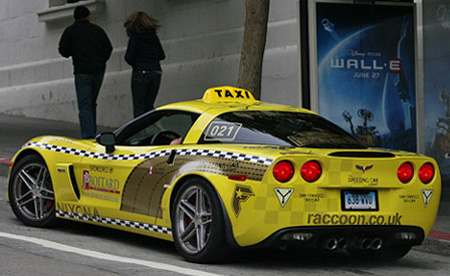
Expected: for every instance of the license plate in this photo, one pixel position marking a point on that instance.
(359, 201)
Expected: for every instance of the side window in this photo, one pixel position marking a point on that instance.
(157, 128)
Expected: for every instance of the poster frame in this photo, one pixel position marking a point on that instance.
(419, 73)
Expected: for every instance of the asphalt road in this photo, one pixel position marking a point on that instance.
(79, 249)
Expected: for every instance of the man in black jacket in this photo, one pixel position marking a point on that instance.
(90, 48)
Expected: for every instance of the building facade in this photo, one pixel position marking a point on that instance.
(203, 39)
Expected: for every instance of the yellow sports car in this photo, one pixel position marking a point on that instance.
(227, 172)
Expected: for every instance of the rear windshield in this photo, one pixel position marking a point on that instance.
(287, 129)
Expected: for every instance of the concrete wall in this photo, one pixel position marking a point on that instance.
(202, 40)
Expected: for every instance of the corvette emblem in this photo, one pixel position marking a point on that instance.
(364, 168)
(283, 195)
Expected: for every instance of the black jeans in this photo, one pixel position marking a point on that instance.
(144, 86)
(87, 87)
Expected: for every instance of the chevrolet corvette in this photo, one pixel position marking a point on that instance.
(227, 172)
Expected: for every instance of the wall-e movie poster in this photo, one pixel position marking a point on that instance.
(437, 83)
(366, 72)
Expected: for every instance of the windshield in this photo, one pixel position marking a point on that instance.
(287, 129)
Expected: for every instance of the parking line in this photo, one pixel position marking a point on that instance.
(104, 256)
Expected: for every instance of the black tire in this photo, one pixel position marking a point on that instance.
(384, 254)
(198, 223)
(31, 194)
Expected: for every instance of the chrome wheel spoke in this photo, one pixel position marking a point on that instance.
(206, 219)
(48, 198)
(49, 192)
(23, 196)
(201, 237)
(41, 207)
(41, 183)
(21, 204)
(39, 177)
(36, 210)
(27, 179)
(187, 208)
(189, 232)
(199, 201)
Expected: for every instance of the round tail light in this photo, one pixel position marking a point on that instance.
(283, 171)
(405, 172)
(311, 171)
(426, 173)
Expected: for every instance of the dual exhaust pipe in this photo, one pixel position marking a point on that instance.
(364, 243)
(369, 243)
(334, 243)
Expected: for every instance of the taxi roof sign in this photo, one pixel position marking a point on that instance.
(228, 94)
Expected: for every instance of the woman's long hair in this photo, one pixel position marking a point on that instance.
(140, 22)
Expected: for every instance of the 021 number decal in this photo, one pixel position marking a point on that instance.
(222, 131)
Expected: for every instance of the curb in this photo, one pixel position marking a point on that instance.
(439, 235)
(4, 160)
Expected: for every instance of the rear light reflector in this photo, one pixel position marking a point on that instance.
(283, 171)
(426, 173)
(238, 177)
(311, 171)
(405, 172)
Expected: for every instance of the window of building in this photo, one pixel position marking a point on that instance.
(63, 9)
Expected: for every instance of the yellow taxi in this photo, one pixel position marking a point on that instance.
(226, 172)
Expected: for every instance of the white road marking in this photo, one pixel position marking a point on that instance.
(104, 256)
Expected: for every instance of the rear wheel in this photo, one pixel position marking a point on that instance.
(384, 254)
(198, 223)
(31, 194)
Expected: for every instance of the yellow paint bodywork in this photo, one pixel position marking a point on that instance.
(261, 213)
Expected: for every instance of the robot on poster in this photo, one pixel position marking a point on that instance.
(366, 72)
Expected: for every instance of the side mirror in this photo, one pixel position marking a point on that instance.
(107, 139)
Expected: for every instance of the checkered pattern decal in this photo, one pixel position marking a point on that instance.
(97, 155)
(151, 155)
(226, 155)
(119, 222)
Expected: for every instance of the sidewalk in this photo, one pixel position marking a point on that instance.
(15, 131)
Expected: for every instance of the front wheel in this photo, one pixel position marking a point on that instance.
(31, 194)
(198, 223)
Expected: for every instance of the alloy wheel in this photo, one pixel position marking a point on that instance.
(33, 192)
(193, 218)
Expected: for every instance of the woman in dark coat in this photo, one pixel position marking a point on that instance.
(144, 53)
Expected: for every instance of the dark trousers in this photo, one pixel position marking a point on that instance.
(88, 87)
(144, 87)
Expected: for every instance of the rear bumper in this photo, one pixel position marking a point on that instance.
(341, 237)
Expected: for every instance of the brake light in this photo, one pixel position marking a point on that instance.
(311, 171)
(426, 173)
(405, 172)
(283, 171)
